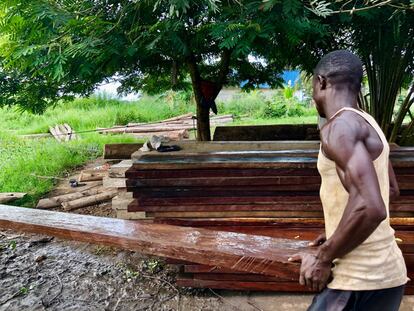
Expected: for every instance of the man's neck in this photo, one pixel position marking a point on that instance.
(338, 99)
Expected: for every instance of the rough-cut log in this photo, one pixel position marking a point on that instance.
(241, 252)
(6, 197)
(93, 175)
(172, 135)
(58, 200)
(120, 151)
(90, 200)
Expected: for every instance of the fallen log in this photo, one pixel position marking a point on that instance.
(93, 175)
(58, 200)
(89, 200)
(237, 251)
(172, 135)
(6, 197)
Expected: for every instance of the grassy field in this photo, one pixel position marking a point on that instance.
(22, 161)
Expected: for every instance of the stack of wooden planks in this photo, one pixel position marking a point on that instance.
(176, 128)
(262, 188)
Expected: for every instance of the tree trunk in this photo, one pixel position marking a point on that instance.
(203, 121)
(203, 117)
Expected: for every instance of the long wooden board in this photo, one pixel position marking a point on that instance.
(120, 151)
(241, 252)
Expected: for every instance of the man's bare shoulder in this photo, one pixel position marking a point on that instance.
(342, 133)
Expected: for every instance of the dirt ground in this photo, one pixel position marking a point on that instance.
(42, 273)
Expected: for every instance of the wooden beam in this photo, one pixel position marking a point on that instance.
(6, 197)
(241, 252)
(120, 151)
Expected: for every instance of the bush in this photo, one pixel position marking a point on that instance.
(275, 110)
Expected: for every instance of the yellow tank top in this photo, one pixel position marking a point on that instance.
(377, 263)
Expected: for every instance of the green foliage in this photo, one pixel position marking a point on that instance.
(57, 49)
(260, 106)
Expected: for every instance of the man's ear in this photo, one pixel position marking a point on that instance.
(322, 82)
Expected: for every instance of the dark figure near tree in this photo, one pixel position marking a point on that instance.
(357, 264)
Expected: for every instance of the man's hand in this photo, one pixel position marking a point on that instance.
(313, 272)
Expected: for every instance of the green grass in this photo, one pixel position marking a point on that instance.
(23, 160)
(284, 120)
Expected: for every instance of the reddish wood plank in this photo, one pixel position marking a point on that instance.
(296, 197)
(193, 268)
(208, 214)
(135, 206)
(208, 173)
(259, 191)
(240, 277)
(249, 253)
(225, 181)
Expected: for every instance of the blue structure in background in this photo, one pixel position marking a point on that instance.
(288, 75)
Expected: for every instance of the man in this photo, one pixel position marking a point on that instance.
(359, 260)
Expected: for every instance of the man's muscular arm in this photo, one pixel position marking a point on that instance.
(365, 209)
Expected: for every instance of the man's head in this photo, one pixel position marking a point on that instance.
(340, 70)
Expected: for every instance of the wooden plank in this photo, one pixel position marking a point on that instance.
(118, 170)
(260, 191)
(120, 151)
(121, 201)
(134, 173)
(135, 206)
(241, 252)
(253, 161)
(111, 182)
(124, 214)
(6, 197)
(274, 199)
(207, 214)
(266, 132)
(240, 277)
(226, 181)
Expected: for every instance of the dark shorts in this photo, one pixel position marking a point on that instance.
(371, 300)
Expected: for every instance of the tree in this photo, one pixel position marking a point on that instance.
(381, 33)
(150, 45)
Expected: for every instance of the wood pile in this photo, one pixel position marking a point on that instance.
(176, 128)
(268, 189)
(62, 132)
(116, 180)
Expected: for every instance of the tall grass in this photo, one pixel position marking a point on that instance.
(23, 161)
(94, 112)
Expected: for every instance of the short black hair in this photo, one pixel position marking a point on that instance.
(341, 67)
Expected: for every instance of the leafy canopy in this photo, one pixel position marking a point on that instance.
(52, 49)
